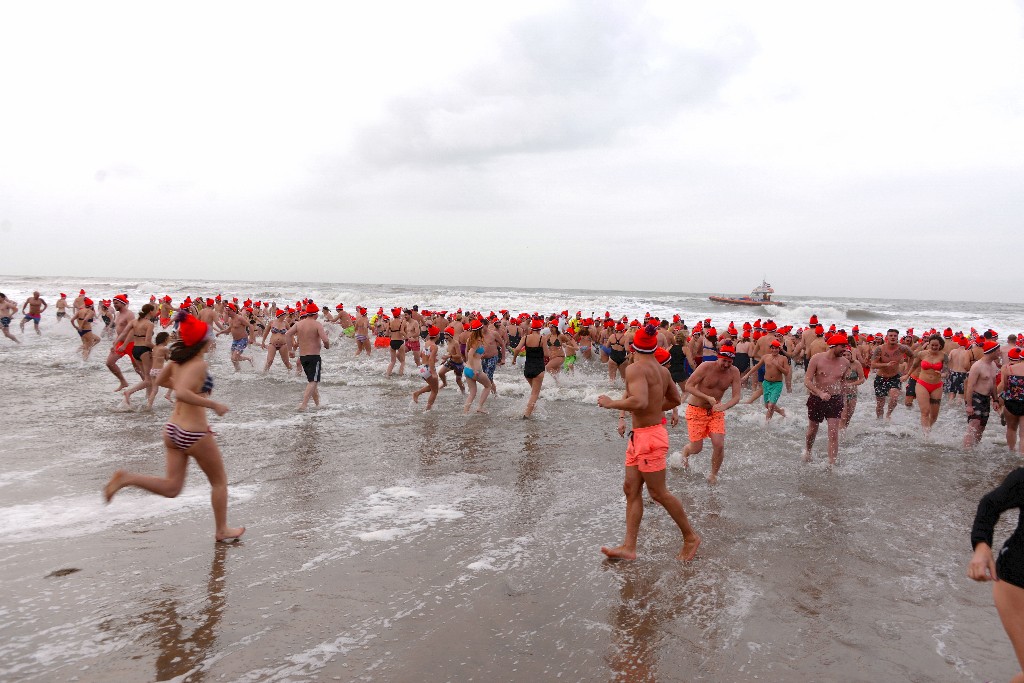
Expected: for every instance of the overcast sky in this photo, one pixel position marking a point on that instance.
(840, 149)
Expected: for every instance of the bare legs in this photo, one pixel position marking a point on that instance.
(535, 386)
(717, 454)
(633, 488)
(480, 377)
(1009, 601)
(312, 392)
(207, 456)
(894, 396)
(1012, 431)
(833, 439)
(431, 386)
(112, 359)
(929, 403)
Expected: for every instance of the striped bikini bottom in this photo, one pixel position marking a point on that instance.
(181, 438)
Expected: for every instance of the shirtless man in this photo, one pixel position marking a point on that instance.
(825, 394)
(959, 366)
(776, 368)
(7, 309)
(885, 361)
(979, 392)
(36, 306)
(650, 391)
(122, 318)
(493, 341)
(310, 334)
(760, 351)
(705, 413)
(806, 337)
(238, 327)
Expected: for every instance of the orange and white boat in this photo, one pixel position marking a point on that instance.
(759, 296)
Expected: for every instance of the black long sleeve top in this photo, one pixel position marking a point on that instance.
(1008, 495)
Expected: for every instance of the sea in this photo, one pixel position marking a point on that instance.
(385, 543)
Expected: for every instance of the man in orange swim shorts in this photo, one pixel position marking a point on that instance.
(705, 414)
(650, 391)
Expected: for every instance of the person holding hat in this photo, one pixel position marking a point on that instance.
(980, 390)
(308, 334)
(650, 391)
(187, 432)
(705, 412)
(824, 380)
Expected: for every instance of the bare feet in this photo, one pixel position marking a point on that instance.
(712, 479)
(621, 553)
(481, 410)
(415, 397)
(231, 535)
(121, 387)
(127, 399)
(114, 485)
(807, 456)
(689, 549)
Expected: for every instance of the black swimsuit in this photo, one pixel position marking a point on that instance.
(534, 362)
(1008, 495)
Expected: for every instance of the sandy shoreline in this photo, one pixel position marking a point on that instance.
(384, 544)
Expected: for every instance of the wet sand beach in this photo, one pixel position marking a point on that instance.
(388, 544)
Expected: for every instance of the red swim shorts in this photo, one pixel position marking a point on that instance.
(702, 422)
(647, 449)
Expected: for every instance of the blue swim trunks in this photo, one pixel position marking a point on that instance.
(240, 344)
(488, 365)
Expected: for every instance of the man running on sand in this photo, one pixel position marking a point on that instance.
(705, 414)
(650, 391)
(980, 391)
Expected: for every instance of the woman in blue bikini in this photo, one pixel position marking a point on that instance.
(473, 370)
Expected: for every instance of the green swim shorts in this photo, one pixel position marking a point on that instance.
(772, 391)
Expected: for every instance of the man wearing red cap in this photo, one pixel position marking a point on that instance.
(959, 365)
(310, 334)
(238, 327)
(885, 361)
(122, 318)
(650, 391)
(825, 394)
(705, 413)
(980, 390)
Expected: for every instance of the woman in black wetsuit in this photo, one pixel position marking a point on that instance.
(533, 367)
(1008, 571)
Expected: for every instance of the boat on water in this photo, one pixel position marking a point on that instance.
(759, 296)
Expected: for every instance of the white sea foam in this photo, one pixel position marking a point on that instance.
(72, 516)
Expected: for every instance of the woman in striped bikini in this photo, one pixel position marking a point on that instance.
(188, 433)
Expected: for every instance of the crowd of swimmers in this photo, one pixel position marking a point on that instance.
(663, 364)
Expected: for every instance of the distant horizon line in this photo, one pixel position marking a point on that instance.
(463, 286)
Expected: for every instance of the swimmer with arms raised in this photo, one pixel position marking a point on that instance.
(650, 391)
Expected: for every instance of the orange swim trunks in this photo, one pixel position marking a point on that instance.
(647, 449)
(702, 422)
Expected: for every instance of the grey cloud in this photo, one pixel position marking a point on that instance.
(562, 81)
